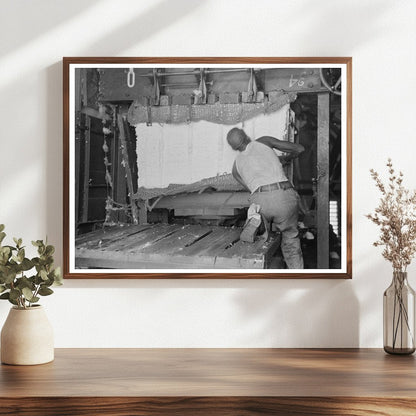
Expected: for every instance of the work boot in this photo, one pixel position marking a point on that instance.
(250, 229)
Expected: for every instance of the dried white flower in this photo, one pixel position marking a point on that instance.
(396, 217)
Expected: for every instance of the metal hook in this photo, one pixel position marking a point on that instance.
(131, 78)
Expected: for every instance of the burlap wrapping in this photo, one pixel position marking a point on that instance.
(224, 183)
(216, 113)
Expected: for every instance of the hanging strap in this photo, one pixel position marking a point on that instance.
(156, 88)
(203, 88)
(252, 87)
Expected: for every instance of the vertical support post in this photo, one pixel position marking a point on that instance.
(82, 147)
(142, 212)
(126, 164)
(77, 177)
(86, 183)
(117, 173)
(323, 182)
(291, 139)
(77, 143)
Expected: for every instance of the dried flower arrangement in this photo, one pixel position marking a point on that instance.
(396, 217)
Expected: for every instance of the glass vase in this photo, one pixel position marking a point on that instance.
(399, 316)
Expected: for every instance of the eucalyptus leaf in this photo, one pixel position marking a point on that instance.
(9, 277)
(48, 259)
(24, 282)
(49, 250)
(14, 267)
(56, 273)
(27, 293)
(45, 291)
(58, 276)
(11, 248)
(38, 280)
(5, 250)
(26, 264)
(48, 282)
(15, 294)
(13, 301)
(15, 285)
(43, 275)
(21, 255)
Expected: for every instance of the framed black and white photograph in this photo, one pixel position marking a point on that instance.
(207, 167)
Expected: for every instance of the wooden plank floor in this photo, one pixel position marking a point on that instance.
(167, 246)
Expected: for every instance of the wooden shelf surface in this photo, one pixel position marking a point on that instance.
(222, 381)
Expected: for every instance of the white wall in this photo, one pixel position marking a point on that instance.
(380, 35)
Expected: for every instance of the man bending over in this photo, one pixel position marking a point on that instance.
(258, 168)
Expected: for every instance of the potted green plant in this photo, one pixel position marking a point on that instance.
(27, 336)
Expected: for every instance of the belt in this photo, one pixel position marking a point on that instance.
(274, 187)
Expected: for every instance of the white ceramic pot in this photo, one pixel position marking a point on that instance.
(27, 337)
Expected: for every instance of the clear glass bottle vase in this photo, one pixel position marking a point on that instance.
(399, 316)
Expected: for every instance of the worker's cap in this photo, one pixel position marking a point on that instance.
(236, 137)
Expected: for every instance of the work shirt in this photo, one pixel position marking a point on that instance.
(259, 165)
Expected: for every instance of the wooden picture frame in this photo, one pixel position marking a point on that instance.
(103, 97)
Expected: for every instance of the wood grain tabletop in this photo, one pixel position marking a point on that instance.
(203, 379)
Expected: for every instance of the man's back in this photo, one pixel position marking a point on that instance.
(259, 165)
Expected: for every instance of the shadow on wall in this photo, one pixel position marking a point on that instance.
(300, 313)
(45, 15)
(157, 18)
(286, 313)
(349, 25)
(54, 146)
(133, 32)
